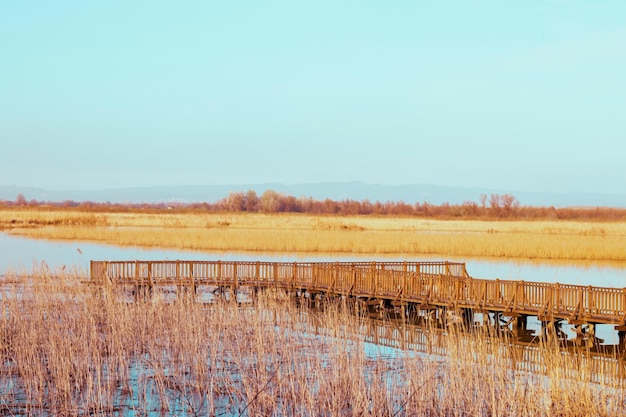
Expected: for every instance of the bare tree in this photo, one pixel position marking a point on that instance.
(252, 201)
(509, 204)
(483, 202)
(21, 200)
(236, 201)
(270, 201)
(494, 203)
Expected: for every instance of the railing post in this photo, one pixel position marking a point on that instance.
(418, 287)
(192, 278)
(498, 294)
(485, 290)
(404, 285)
(376, 281)
(550, 304)
(353, 280)
(150, 273)
(622, 308)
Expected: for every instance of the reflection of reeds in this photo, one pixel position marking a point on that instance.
(69, 349)
(565, 240)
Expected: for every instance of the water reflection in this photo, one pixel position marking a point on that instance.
(577, 273)
(20, 254)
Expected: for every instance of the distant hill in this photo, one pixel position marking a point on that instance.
(359, 191)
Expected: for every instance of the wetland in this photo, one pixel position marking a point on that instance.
(67, 350)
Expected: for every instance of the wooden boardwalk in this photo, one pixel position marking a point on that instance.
(428, 291)
(425, 285)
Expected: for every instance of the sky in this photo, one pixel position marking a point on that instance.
(522, 95)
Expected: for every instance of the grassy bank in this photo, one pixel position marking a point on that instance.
(67, 350)
(554, 240)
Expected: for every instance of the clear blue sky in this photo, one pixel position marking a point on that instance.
(523, 95)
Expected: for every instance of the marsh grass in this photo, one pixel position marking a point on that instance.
(33, 218)
(70, 349)
(555, 240)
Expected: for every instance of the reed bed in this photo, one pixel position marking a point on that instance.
(70, 349)
(554, 240)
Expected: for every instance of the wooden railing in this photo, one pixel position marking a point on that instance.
(125, 270)
(424, 283)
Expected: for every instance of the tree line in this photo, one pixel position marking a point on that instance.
(488, 206)
(493, 206)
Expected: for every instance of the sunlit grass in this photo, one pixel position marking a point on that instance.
(556, 240)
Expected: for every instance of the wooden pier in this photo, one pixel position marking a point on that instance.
(441, 291)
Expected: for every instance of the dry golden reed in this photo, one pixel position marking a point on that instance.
(555, 240)
(70, 349)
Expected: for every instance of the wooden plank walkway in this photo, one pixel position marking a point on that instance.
(427, 285)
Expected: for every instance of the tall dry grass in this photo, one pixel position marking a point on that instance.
(69, 349)
(555, 240)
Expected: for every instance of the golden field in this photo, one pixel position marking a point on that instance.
(305, 233)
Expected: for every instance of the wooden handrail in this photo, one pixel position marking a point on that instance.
(435, 283)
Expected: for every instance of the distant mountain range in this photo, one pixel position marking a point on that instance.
(359, 191)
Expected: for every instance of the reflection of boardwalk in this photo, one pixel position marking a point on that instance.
(439, 291)
(599, 367)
